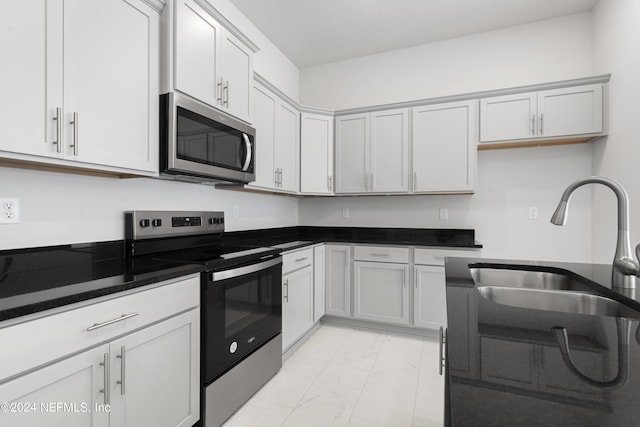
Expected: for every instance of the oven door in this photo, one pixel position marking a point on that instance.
(243, 310)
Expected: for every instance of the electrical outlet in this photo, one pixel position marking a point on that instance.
(9, 211)
(444, 214)
(236, 212)
(345, 213)
(533, 212)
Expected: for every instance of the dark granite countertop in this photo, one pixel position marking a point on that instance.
(505, 367)
(37, 279)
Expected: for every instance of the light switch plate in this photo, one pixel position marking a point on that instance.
(444, 214)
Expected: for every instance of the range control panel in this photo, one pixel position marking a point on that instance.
(152, 224)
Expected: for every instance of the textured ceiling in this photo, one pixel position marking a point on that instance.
(313, 32)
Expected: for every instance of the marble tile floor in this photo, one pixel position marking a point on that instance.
(351, 377)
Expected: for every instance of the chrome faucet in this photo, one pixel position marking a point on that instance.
(625, 265)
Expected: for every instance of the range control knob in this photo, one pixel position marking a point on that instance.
(216, 220)
(233, 347)
(144, 223)
(156, 222)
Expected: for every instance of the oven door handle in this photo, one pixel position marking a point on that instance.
(253, 268)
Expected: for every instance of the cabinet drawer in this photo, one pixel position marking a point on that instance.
(296, 260)
(437, 256)
(381, 254)
(43, 340)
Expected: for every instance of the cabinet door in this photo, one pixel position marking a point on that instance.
(570, 111)
(352, 150)
(380, 292)
(338, 280)
(111, 78)
(264, 120)
(155, 374)
(31, 48)
(198, 42)
(462, 331)
(444, 148)
(237, 63)
(287, 144)
(389, 152)
(65, 394)
(430, 302)
(318, 282)
(508, 117)
(509, 363)
(316, 155)
(297, 305)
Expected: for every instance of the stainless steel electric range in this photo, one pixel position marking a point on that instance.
(241, 302)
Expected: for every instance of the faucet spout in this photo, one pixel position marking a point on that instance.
(625, 266)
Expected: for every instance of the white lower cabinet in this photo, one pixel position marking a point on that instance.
(129, 376)
(380, 292)
(318, 282)
(338, 280)
(297, 305)
(430, 308)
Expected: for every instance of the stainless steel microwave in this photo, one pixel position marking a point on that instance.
(199, 143)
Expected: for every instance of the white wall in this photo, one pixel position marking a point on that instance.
(616, 34)
(509, 181)
(544, 51)
(61, 208)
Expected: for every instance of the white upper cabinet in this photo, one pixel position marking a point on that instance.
(82, 89)
(564, 112)
(316, 154)
(372, 152)
(444, 147)
(211, 63)
(277, 126)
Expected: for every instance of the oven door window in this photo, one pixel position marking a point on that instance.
(241, 313)
(206, 141)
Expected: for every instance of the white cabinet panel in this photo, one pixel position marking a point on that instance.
(77, 381)
(238, 71)
(287, 144)
(444, 147)
(554, 113)
(297, 305)
(197, 45)
(352, 151)
(570, 111)
(389, 152)
(508, 117)
(316, 154)
(318, 282)
(96, 82)
(32, 72)
(430, 299)
(338, 280)
(265, 119)
(160, 368)
(381, 292)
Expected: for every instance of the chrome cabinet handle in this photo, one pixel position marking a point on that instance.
(75, 133)
(415, 277)
(329, 182)
(404, 279)
(247, 144)
(380, 255)
(58, 120)
(533, 124)
(219, 96)
(442, 344)
(226, 94)
(286, 288)
(107, 375)
(122, 368)
(541, 123)
(415, 181)
(275, 177)
(109, 322)
(301, 259)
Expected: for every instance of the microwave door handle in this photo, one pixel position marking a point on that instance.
(249, 152)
